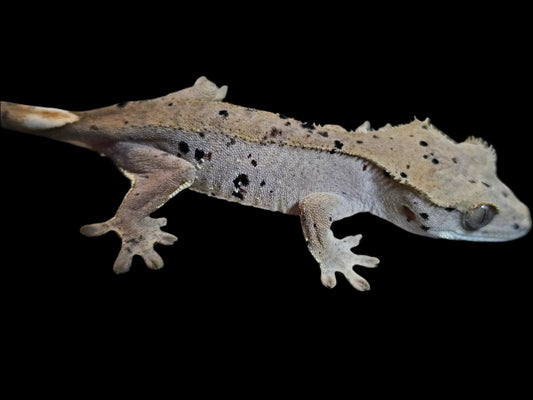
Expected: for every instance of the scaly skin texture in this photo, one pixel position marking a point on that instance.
(412, 175)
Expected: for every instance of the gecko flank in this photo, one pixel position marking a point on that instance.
(412, 175)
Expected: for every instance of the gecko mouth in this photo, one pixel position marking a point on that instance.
(515, 232)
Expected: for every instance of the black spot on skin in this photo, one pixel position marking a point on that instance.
(231, 142)
(407, 166)
(486, 184)
(224, 113)
(170, 104)
(241, 180)
(423, 144)
(516, 226)
(426, 156)
(275, 132)
(449, 209)
(435, 161)
(263, 183)
(323, 133)
(403, 174)
(199, 154)
(202, 134)
(308, 125)
(387, 174)
(425, 228)
(424, 127)
(454, 160)
(209, 156)
(424, 216)
(122, 104)
(365, 166)
(359, 141)
(505, 194)
(288, 123)
(183, 147)
(126, 122)
(338, 144)
(254, 163)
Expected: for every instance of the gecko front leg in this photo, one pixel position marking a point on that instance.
(317, 212)
(155, 177)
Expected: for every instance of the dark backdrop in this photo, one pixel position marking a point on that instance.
(246, 272)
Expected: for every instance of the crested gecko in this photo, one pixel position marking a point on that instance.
(412, 175)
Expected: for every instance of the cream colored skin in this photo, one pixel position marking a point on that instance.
(424, 182)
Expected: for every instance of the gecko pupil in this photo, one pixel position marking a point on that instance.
(479, 217)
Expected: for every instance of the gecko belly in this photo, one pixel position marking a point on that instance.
(273, 177)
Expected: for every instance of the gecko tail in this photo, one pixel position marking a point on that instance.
(32, 119)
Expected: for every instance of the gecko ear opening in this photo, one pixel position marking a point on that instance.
(479, 217)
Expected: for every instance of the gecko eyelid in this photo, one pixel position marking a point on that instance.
(479, 217)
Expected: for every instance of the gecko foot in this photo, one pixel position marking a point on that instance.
(138, 238)
(341, 259)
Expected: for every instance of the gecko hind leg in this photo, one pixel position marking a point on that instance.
(156, 176)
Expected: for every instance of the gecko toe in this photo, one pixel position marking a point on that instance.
(161, 222)
(123, 261)
(97, 229)
(366, 261)
(352, 241)
(166, 239)
(357, 281)
(152, 259)
(328, 279)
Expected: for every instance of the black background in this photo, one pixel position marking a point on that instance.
(241, 275)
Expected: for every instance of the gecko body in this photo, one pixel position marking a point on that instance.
(411, 175)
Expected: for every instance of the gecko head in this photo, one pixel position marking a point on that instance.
(484, 210)
(456, 191)
(488, 209)
(484, 222)
(500, 221)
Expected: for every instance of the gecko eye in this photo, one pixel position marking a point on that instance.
(479, 217)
